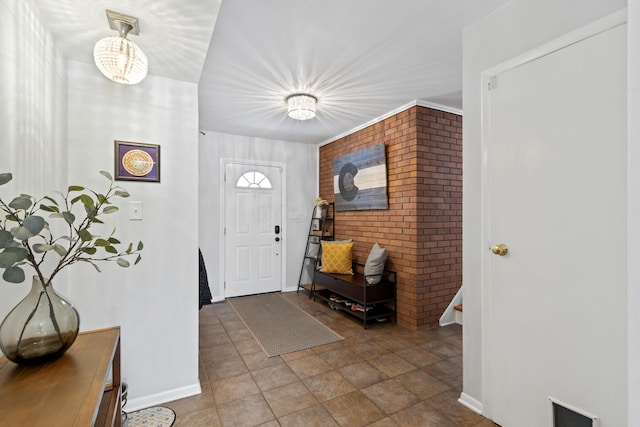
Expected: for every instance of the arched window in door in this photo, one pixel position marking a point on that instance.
(254, 179)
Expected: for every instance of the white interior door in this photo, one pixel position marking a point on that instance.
(253, 229)
(555, 305)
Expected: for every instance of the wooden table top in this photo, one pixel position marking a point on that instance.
(63, 392)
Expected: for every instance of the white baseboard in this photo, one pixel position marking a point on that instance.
(471, 403)
(448, 323)
(160, 398)
(217, 299)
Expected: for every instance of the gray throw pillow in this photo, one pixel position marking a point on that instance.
(374, 266)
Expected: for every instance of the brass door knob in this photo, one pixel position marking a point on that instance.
(500, 249)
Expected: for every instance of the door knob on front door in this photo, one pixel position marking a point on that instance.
(500, 249)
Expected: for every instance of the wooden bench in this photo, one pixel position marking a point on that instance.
(378, 301)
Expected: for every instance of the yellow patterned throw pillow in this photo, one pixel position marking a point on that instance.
(336, 258)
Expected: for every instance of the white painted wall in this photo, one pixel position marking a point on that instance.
(155, 302)
(634, 213)
(301, 162)
(517, 27)
(33, 114)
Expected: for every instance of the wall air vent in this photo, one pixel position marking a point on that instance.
(561, 414)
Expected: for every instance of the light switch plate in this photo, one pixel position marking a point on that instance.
(135, 210)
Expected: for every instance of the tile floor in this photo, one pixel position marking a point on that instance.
(383, 376)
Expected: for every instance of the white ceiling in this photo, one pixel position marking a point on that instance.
(361, 58)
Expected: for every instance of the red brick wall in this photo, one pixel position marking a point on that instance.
(422, 229)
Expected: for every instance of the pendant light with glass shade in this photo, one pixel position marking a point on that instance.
(117, 57)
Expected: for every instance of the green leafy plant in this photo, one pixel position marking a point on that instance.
(25, 236)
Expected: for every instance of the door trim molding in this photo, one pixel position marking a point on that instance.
(224, 161)
(607, 23)
(599, 26)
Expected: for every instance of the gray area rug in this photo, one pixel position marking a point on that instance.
(158, 416)
(279, 326)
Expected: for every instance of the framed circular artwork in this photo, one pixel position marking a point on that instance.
(135, 161)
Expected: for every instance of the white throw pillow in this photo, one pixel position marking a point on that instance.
(374, 266)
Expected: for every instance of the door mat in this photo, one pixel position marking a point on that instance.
(279, 326)
(157, 416)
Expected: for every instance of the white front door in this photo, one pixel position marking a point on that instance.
(253, 229)
(555, 306)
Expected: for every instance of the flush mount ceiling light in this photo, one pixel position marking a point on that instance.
(118, 58)
(301, 106)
